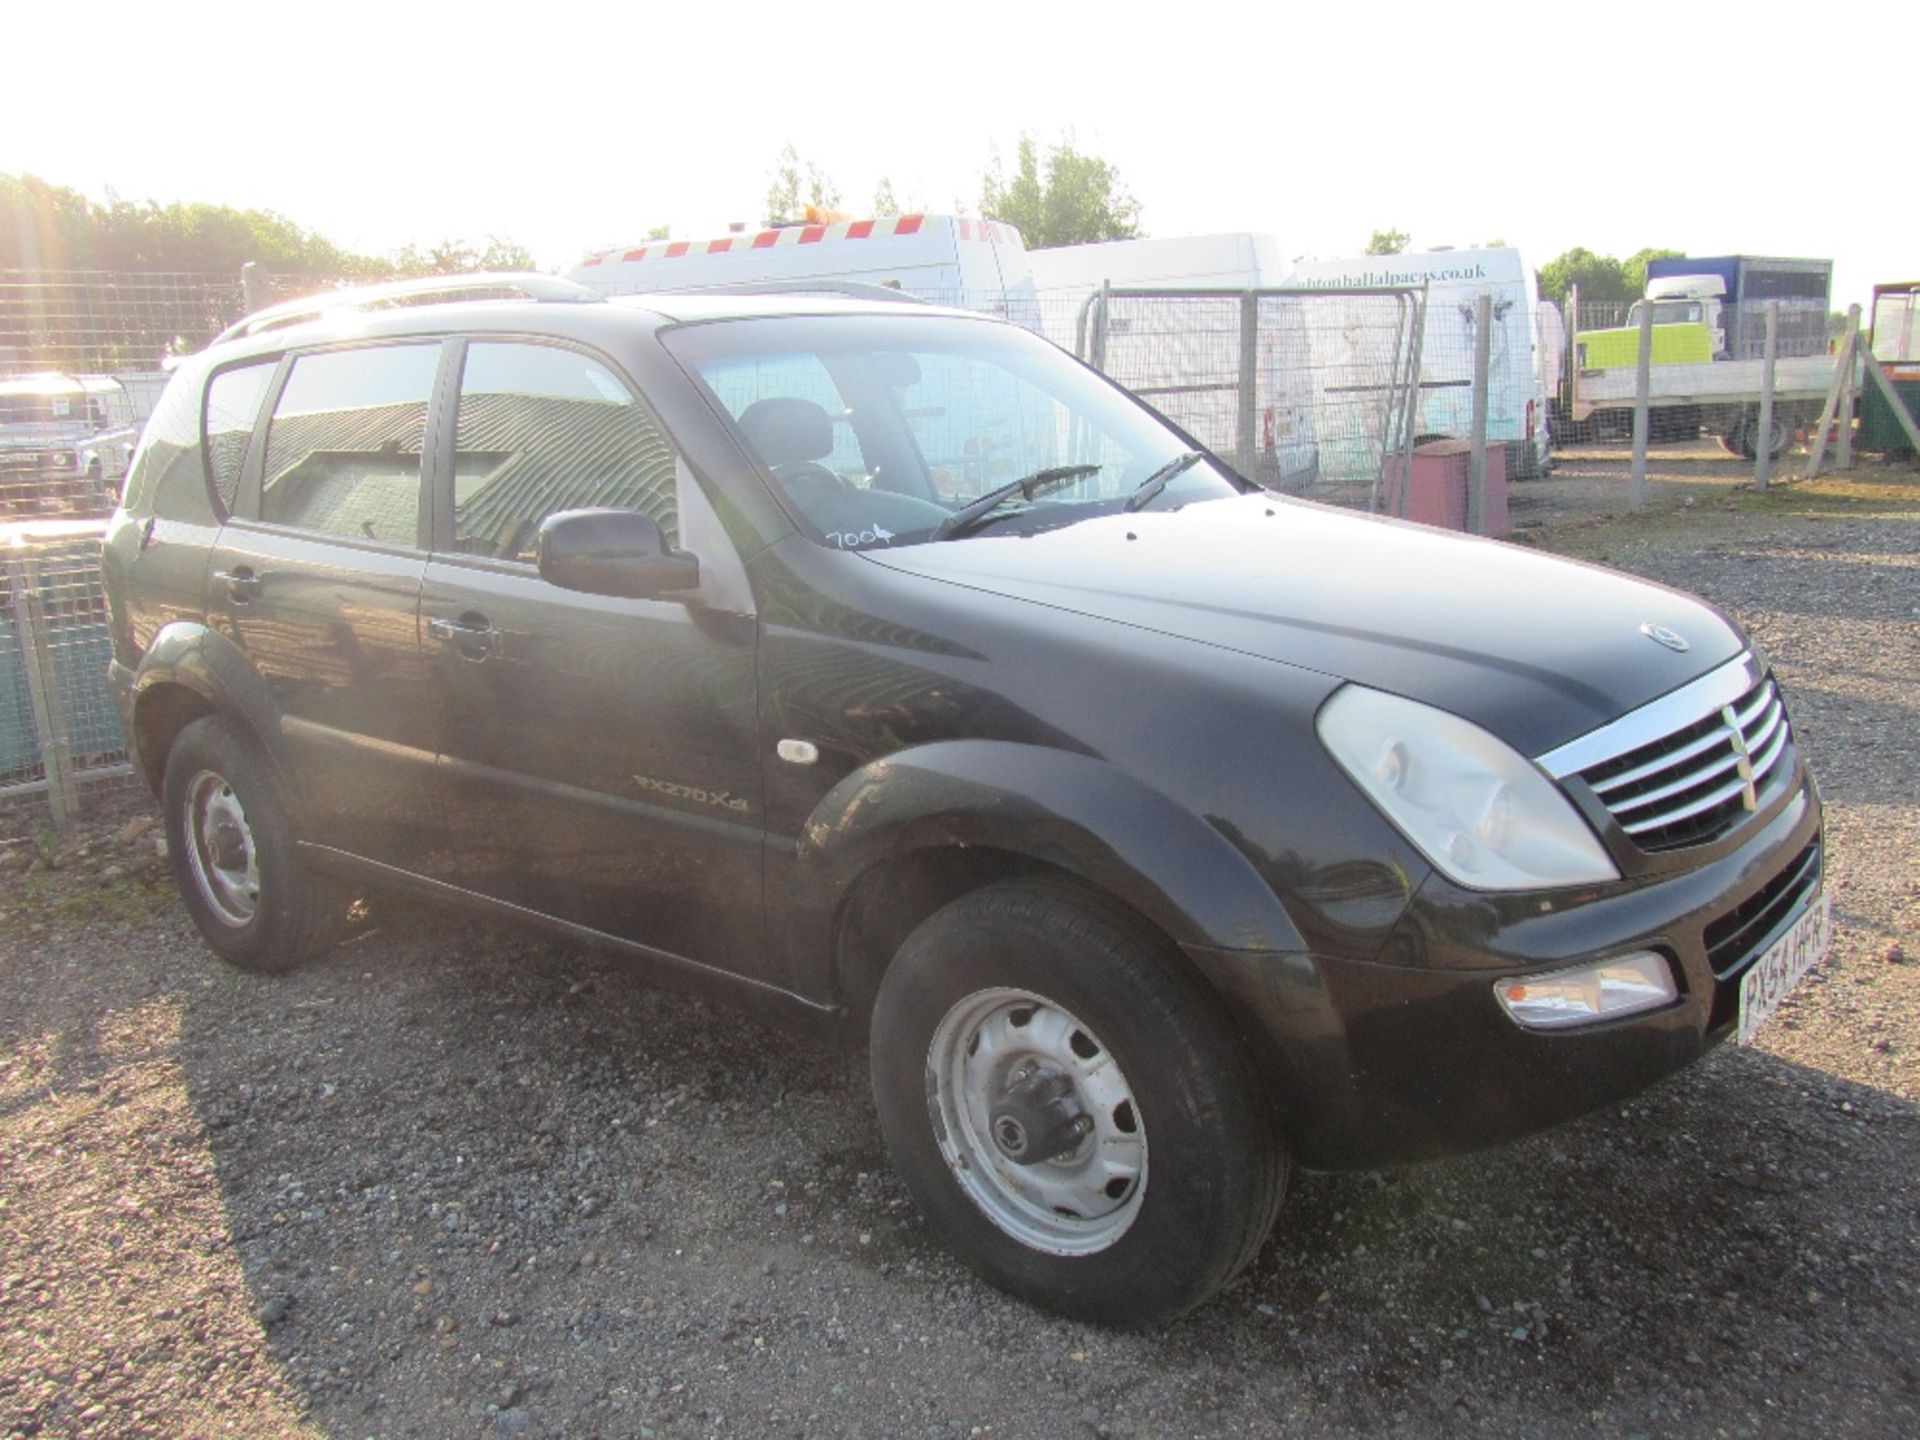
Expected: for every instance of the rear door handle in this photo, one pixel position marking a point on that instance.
(242, 584)
(471, 635)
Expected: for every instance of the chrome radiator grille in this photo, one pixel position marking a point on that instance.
(1694, 784)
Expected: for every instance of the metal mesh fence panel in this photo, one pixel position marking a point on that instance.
(20, 762)
(1307, 391)
(1181, 354)
(1335, 398)
(83, 358)
(96, 321)
(59, 728)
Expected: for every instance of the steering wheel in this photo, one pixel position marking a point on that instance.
(812, 484)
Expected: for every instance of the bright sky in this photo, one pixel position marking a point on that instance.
(583, 126)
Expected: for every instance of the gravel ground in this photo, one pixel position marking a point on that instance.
(456, 1181)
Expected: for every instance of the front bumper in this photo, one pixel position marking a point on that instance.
(1410, 1056)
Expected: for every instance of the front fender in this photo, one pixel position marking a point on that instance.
(194, 656)
(1072, 811)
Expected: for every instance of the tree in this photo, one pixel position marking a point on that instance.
(883, 201)
(1079, 200)
(458, 257)
(788, 191)
(1633, 269)
(1388, 242)
(1601, 278)
(49, 227)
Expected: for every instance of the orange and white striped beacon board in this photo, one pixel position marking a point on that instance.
(954, 260)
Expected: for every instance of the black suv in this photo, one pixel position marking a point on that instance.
(881, 664)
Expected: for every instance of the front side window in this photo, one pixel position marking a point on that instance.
(755, 385)
(944, 411)
(345, 443)
(542, 429)
(233, 408)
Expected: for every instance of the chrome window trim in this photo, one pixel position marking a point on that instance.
(1657, 719)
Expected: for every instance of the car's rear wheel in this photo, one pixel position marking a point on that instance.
(231, 843)
(1070, 1107)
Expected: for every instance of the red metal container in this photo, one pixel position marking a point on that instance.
(1438, 494)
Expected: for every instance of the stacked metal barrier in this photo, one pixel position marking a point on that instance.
(59, 732)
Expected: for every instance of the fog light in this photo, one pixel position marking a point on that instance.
(1624, 985)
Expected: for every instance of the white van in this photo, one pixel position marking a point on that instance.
(1172, 370)
(950, 259)
(1525, 342)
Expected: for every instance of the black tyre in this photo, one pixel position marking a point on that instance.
(1783, 435)
(232, 848)
(1744, 440)
(1070, 1107)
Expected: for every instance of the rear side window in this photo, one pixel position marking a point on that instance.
(233, 408)
(540, 430)
(345, 444)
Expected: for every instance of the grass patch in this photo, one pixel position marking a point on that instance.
(1891, 496)
(1735, 512)
(74, 898)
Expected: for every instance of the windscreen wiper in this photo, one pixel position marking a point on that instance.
(1157, 481)
(1027, 486)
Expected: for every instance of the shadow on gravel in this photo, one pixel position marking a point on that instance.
(1705, 1239)
(476, 1180)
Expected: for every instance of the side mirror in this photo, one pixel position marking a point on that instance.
(612, 552)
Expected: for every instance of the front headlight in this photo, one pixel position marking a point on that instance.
(1474, 806)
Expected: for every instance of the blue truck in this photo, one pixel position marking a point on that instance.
(1746, 283)
(1729, 294)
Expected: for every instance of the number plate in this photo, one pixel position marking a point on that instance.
(1775, 973)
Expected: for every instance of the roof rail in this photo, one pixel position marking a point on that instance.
(484, 285)
(852, 289)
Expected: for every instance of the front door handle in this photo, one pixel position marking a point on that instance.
(242, 584)
(471, 635)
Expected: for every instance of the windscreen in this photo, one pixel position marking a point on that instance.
(878, 430)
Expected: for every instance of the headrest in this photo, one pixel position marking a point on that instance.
(786, 429)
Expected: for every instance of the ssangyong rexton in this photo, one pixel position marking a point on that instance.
(884, 665)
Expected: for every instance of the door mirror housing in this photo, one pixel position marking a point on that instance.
(612, 552)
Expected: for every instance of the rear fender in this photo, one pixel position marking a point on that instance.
(198, 658)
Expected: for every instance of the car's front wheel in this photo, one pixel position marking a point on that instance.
(232, 846)
(1070, 1107)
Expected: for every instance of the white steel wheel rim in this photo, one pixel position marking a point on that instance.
(221, 851)
(1079, 1203)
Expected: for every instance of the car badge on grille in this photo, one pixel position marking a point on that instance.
(1672, 639)
(1743, 763)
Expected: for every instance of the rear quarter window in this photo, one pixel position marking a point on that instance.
(233, 409)
(169, 476)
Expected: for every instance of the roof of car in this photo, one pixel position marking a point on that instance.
(578, 318)
(685, 306)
